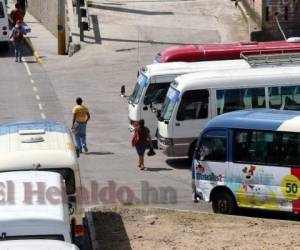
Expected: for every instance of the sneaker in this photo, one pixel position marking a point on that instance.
(16, 60)
(85, 149)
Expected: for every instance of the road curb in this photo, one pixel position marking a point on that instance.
(35, 53)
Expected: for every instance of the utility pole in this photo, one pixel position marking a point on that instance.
(61, 27)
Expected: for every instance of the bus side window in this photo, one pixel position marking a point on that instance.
(213, 146)
(193, 105)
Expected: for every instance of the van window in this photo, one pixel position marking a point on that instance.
(290, 149)
(213, 143)
(287, 98)
(237, 99)
(2, 15)
(193, 105)
(156, 93)
(257, 147)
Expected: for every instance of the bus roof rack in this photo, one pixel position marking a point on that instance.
(263, 58)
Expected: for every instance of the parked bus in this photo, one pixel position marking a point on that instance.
(4, 25)
(249, 159)
(154, 81)
(42, 145)
(204, 52)
(33, 206)
(193, 99)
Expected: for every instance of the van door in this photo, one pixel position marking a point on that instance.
(155, 95)
(192, 114)
(210, 162)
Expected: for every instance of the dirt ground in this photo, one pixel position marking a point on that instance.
(154, 228)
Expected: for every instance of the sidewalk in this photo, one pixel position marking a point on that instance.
(41, 41)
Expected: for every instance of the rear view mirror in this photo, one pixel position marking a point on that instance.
(123, 90)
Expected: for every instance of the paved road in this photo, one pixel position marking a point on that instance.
(25, 90)
(124, 36)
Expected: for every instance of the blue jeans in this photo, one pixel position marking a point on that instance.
(18, 50)
(80, 135)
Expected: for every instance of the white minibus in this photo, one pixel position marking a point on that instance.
(42, 145)
(193, 99)
(33, 206)
(4, 25)
(249, 159)
(153, 83)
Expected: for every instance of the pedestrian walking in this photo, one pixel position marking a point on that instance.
(141, 139)
(16, 14)
(81, 116)
(17, 37)
(23, 5)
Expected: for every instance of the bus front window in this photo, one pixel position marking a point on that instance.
(138, 89)
(169, 104)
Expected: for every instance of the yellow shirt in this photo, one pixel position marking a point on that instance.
(80, 113)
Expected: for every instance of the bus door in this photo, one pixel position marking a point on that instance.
(192, 115)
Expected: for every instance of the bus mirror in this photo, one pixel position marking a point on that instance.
(123, 90)
(158, 113)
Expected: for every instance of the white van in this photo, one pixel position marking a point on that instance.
(42, 145)
(153, 83)
(36, 245)
(194, 99)
(33, 206)
(4, 26)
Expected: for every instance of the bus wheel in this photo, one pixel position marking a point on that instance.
(223, 203)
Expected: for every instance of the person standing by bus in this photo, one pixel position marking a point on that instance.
(17, 36)
(141, 140)
(81, 116)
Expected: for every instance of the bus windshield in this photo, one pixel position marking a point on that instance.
(169, 104)
(138, 89)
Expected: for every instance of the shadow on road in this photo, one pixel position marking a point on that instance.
(99, 153)
(182, 163)
(158, 169)
(132, 11)
(10, 51)
(110, 231)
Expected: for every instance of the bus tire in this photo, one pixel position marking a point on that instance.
(223, 203)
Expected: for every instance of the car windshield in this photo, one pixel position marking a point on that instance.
(169, 103)
(138, 89)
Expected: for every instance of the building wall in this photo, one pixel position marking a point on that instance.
(265, 13)
(46, 12)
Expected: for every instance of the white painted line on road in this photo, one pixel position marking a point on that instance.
(37, 97)
(43, 116)
(32, 81)
(34, 89)
(40, 106)
(26, 67)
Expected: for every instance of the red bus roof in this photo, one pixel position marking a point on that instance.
(204, 52)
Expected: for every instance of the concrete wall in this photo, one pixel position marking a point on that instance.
(265, 12)
(46, 12)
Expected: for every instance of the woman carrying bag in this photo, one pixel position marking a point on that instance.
(140, 140)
